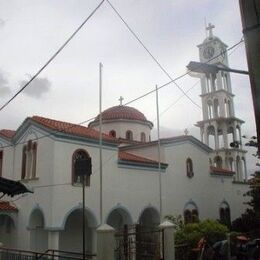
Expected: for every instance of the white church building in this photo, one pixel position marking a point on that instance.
(194, 178)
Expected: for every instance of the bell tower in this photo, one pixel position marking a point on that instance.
(220, 128)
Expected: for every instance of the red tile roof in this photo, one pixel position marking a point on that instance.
(122, 112)
(221, 171)
(70, 128)
(124, 156)
(6, 206)
(7, 133)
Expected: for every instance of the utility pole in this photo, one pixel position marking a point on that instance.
(250, 16)
(100, 143)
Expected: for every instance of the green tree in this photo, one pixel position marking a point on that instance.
(250, 220)
(191, 233)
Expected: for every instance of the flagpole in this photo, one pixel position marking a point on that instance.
(100, 143)
(159, 154)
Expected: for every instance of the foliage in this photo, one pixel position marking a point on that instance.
(176, 220)
(253, 142)
(250, 220)
(247, 222)
(211, 230)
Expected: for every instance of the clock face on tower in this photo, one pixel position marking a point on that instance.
(208, 52)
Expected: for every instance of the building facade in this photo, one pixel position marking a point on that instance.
(138, 186)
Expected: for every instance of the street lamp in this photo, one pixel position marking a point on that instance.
(83, 167)
(200, 67)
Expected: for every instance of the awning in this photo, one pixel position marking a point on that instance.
(12, 188)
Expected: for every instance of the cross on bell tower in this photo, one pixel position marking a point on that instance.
(209, 28)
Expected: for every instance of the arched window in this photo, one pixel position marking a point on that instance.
(112, 133)
(129, 135)
(29, 159)
(187, 216)
(191, 216)
(224, 214)
(218, 162)
(143, 137)
(79, 155)
(1, 163)
(189, 168)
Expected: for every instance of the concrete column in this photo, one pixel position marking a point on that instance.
(225, 137)
(169, 246)
(245, 168)
(203, 85)
(105, 242)
(219, 81)
(216, 139)
(53, 240)
(202, 134)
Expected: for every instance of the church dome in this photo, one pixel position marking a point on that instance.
(122, 112)
(124, 122)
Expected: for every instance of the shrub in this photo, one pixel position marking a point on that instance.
(211, 230)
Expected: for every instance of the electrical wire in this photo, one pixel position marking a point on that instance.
(116, 153)
(151, 55)
(52, 57)
(127, 103)
(184, 74)
(233, 50)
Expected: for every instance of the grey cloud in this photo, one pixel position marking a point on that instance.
(37, 88)
(4, 88)
(2, 22)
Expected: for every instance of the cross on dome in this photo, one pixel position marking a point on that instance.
(121, 100)
(209, 28)
(186, 132)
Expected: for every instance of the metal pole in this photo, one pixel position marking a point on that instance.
(83, 216)
(100, 142)
(159, 154)
(229, 246)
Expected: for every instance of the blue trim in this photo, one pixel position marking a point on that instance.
(84, 139)
(147, 165)
(58, 134)
(119, 206)
(149, 206)
(77, 208)
(190, 202)
(224, 202)
(141, 168)
(36, 207)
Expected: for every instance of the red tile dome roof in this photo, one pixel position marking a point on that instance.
(122, 112)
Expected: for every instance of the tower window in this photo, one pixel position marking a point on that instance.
(143, 137)
(218, 162)
(189, 168)
(224, 214)
(191, 216)
(77, 156)
(29, 159)
(112, 133)
(129, 135)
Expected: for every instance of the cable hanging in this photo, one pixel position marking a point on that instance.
(127, 103)
(52, 57)
(151, 55)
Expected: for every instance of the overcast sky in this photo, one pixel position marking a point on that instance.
(32, 30)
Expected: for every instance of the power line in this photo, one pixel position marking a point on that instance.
(151, 55)
(184, 74)
(127, 103)
(115, 154)
(52, 57)
(234, 48)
